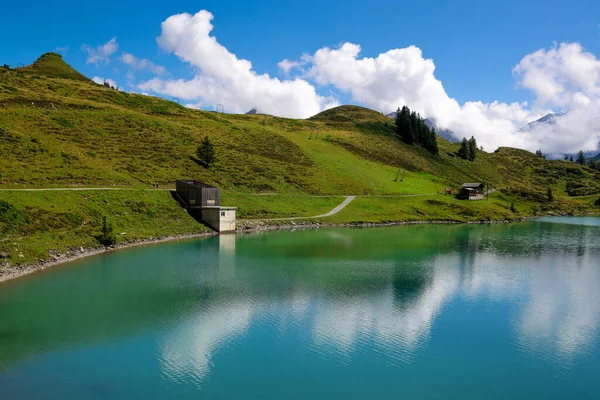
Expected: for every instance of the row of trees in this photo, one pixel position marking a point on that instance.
(468, 149)
(542, 155)
(411, 128)
(580, 159)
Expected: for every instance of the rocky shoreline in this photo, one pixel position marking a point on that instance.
(258, 226)
(8, 273)
(244, 227)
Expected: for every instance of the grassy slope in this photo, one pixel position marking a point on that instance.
(59, 129)
(61, 219)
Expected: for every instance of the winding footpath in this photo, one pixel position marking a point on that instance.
(336, 210)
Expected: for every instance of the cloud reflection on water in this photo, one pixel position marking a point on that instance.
(556, 293)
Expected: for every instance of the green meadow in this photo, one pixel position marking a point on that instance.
(60, 130)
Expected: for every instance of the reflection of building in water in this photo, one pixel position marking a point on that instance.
(227, 255)
(227, 243)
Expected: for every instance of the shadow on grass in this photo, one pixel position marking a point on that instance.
(194, 213)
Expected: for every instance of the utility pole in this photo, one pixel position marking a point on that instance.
(398, 175)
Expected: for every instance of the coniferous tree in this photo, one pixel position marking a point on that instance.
(411, 129)
(414, 127)
(404, 127)
(107, 236)
(549, 194)
(398, 123)
(566, 157)
(206, 152)
(434, 145)
(540, 154)
(472, 149)
(463, 152)
(581, 158)
(571, 159)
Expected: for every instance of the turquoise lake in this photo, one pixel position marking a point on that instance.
(509, 311)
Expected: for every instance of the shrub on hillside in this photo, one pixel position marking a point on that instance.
(107, 236)
(11, 215)
(582, 188)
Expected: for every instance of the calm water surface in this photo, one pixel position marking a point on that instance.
(471, 312)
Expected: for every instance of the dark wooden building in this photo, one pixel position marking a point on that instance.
(198, 194)
(205, 200)
(471, 191)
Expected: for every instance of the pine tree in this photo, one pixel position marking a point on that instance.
(107, 236)
(571, 159)
(411, 129)
(472, 149)
(566, 157)
(581, 158)
(512, 208)
(398, 123)
(404, 127)
(414, 127)
(206, 152)
(463, 152)
(540, 154)
(549, 195)
(434, 145)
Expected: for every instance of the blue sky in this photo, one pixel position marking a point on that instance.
(473, 44)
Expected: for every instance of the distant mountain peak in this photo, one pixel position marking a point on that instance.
(253, 111)
(548, 119)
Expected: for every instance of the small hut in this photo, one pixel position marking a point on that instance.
(198, 196)
(471, 191)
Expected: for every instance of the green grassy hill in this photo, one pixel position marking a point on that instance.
(60, 129)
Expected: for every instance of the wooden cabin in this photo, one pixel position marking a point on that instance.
(471, 191)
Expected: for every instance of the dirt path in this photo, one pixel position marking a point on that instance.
(336, 210)
(65, 189)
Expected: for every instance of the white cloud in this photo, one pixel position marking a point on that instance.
(562, 78)
(286, 66)
(139, 64)
(222, 78)
(102, 53)
(565, 76)
(100, 81)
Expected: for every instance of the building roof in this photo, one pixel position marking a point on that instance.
(473, 185)
(197, 183)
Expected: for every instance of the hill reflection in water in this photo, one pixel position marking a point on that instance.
(394, 301)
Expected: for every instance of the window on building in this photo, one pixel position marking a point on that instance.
(222, 213)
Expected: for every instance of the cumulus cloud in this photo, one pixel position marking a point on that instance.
(101, 54)
(223, 78)
(100, 81)
(286, 66)
(140, 64)
(564, 77)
